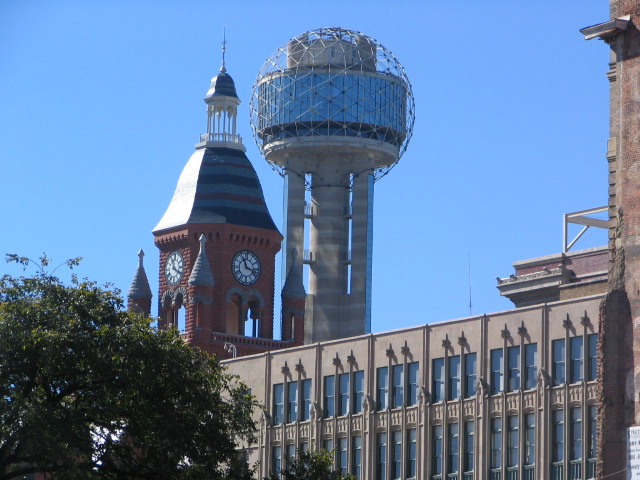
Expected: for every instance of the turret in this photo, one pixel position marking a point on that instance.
(139, 295)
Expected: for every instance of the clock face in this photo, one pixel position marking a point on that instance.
(246, 267)
(174, 268)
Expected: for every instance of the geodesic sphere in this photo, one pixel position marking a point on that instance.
(335, 84)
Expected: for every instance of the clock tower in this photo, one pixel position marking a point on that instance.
(218, 242)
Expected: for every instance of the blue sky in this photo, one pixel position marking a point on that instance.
(101, 104)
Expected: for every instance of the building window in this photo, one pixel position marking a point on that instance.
(411, 452)
(513, 369)
(381, 456)
(396, 455)
(306, 399)
(343, 394)
(397, 392)
(530, 365)
(469, 434)
(304, 446)
(592, 449)
(329, 396)
(412, 394)
(342, 454)
(358, 391)
(496, 443)
(278, 403)
(291, 453)
(576, 349)
(436, 457)
(575, 446)
(557, 347)
(530, 439)
(276, 460)
(592, 354)
(513, 443)
(470, 362)
(327, 445)
(438, 379)
(292, 402)
(356, 456)
(454, 377)
(557, 444)
(383, 387)
(454, 448)
(497, 369)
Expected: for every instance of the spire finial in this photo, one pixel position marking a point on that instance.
(223, 68)
(140, 257)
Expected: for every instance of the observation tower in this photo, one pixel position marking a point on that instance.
(332, 111)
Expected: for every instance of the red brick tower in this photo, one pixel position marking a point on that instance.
(619, 348)
(218, 242)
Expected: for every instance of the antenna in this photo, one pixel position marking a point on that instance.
(469, 273)
(224, 47)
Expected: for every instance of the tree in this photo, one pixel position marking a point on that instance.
(91, 391)
(311, 466)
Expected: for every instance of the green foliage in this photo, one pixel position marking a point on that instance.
(90, 391)
(311, 466)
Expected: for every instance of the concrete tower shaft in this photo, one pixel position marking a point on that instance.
(332, 111)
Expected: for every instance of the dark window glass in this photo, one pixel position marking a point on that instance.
(469, 434)
(530, 439)
(329, 396)
(496, 442)
(381, 457)
(327, 445)
(383, 387)
(438, 379)
(470, 375)
(593, 431)
(454, 377)
(412, 394)
(592, 372)
(342, 454)
(577, 359)
(436, 458)
(278, 403)
(575, 447)
(358, 391)
(557, 436)
(411, 454)
(513, 368)
(306, 399)
(292, 402)
(530, 365)
(396, 455)
(356, 456)
(454, 448)
(397, 377)
(558, 361)
(291, 452)
(343, 394)
(276, 459)
(497, 370)
(513, 444)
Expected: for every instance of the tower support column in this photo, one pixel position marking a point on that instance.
(294, 205)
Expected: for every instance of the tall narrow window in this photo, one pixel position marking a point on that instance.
(592, 432)
(436, 456)
(327, 445)
(496, 443)
(577, 359)
(358, 391)
(470, 374)
(557, 436)
(342, 454)
(454, 448)
(396, 455)
(411, 450)
(513, 369)
(383, 387)
(412, 374)
(513, 444)
(343, 394)
(530, 365)
(329, 396)
(291, 453)
(306, 399)
(276, 460)
(381, 457)
(558, 361)
(497, 369)
(438, 379)
(397, 377)
(454, 377)
(592, 368)
(575, 448)
(292, 402)
(469, 434)
(530, 439)
(278, 403)
(356, 456)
